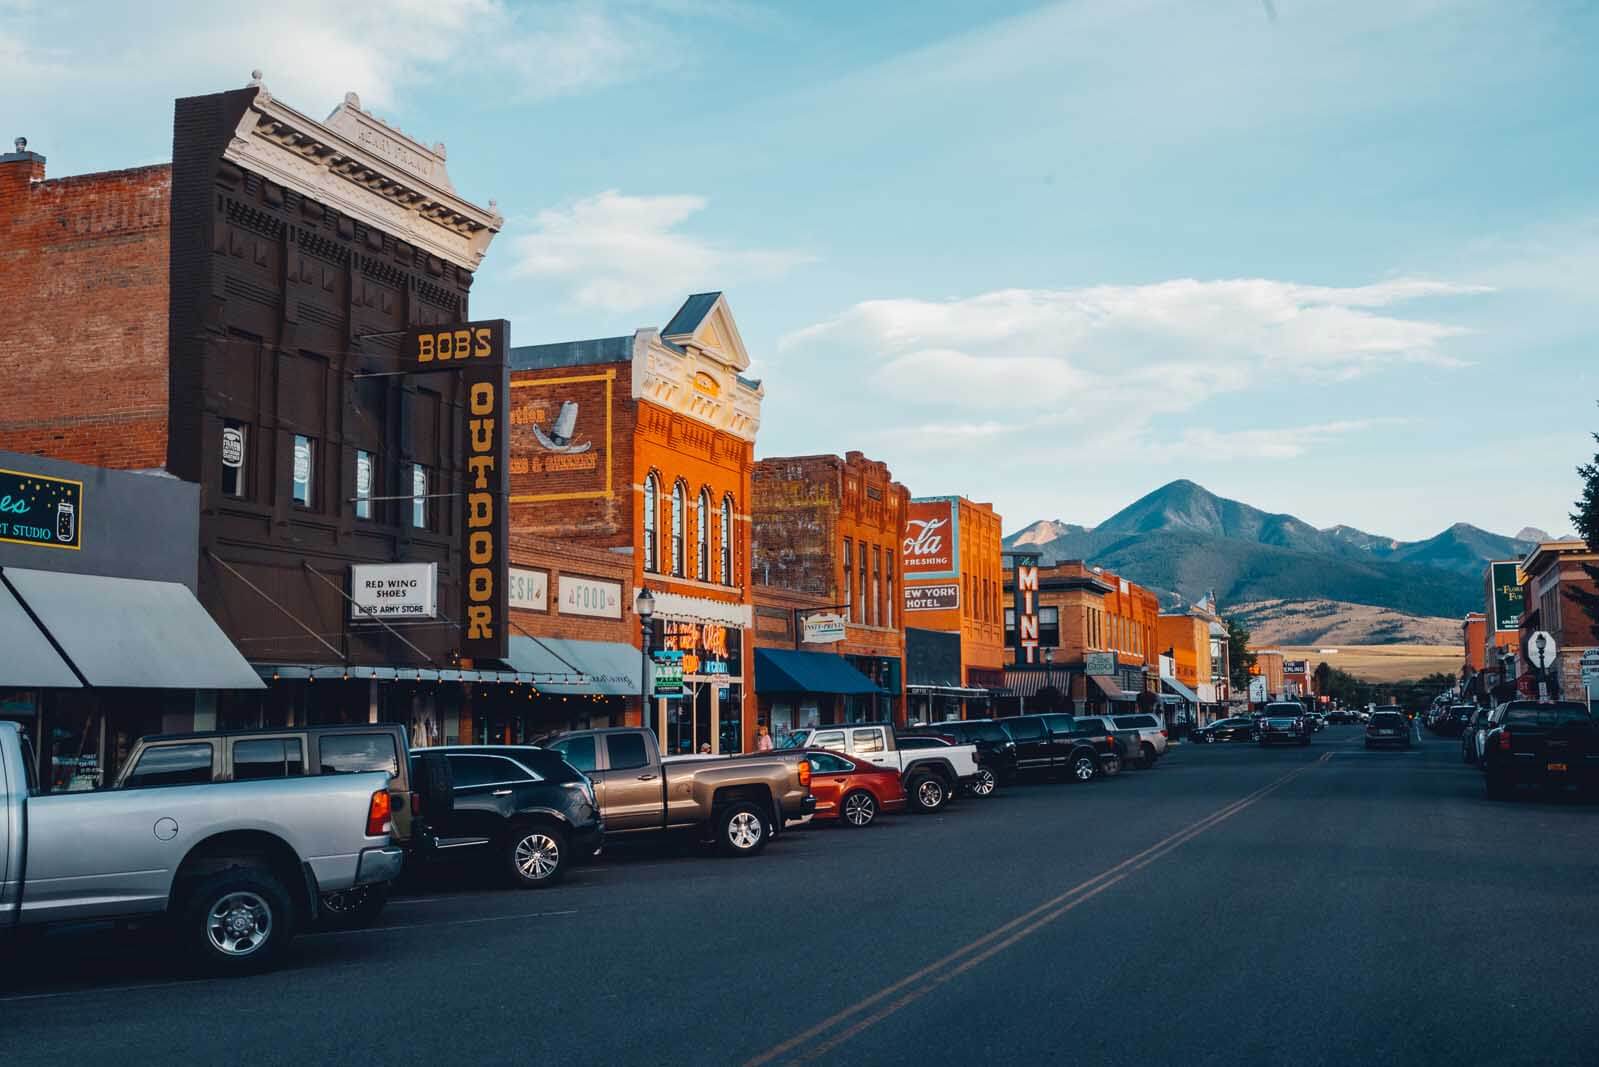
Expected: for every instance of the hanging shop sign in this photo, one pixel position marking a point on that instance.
(668, 673)
(931, 548)
(824, 628)
(1100, 663)
(41, 511)
(1507, 596)
(477, 351)
(590, 596)
(942, 597)
(528, 590)
(394, 591)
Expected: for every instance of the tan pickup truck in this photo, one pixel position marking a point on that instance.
(740, 801)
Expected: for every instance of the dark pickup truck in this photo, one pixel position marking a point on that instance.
(1554, 745)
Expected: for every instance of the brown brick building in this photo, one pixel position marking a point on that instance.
(831, 527)
(643, 445)
(1550, 571)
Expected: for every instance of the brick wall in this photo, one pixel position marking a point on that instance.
(556, 558)
(83, 264)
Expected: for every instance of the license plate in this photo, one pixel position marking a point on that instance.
(1556, 766)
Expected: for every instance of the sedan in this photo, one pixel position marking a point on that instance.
(853, 791)
(1237, 729)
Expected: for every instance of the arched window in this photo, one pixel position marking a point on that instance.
(702, 538)
(727, 540)
(651, 509)
(678, 504)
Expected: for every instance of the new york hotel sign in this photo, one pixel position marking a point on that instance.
(40, 511)
(477, 352)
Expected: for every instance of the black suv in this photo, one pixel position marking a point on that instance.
(996, 752)
(1055, 742)
(524, 808)
(1553, 745)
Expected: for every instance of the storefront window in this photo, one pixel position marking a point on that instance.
(730, 718)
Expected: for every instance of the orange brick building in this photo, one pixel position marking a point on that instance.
(953, 578)
(831, 527)
(83, 264)
(1269, 665)
(1474, 635)
(643, 445)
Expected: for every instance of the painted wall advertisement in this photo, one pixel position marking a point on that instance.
(561, 437)
(945, 596)
(40, 511)
(932, 540)
(1507, 598)
(394, 591)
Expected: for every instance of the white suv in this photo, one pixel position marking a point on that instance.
(1151, 736)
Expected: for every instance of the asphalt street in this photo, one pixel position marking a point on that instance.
(1233, 905)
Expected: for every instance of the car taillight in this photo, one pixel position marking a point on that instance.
(1504, 739)
(805, 772)
(377, 815)
(1163, 733)
(416, 804)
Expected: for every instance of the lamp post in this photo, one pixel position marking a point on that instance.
(645, 606)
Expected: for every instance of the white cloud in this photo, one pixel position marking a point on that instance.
(1166, 346)
(1277, 442)
(620, 252)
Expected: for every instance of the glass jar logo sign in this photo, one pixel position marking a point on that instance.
(232, 447)
(39, 510)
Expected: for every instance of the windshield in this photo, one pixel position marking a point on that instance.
(987, 731)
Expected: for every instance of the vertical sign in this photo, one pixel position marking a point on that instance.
(1026, 609)
(477, 351)
(1507, 597)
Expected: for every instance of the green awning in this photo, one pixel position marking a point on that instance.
(783, 670)
(566, 665)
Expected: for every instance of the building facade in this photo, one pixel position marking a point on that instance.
(952, 582)
(1549, 573)
(643, 445)
(1269, 665)
(831, 527)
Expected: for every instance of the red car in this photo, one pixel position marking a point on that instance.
(853, 791)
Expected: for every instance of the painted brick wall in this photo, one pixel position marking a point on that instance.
(83, 264)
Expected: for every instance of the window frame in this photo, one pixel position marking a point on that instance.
(133, 772)
(679, 527)
(651, 523)
(702, 537)
(308, 503)
(241, 473)
(727, 539)
(419, 503)
(363, 501)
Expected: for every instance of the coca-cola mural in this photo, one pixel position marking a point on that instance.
(931, 548)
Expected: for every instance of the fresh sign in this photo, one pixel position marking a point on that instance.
(529, 590)
(41, 511)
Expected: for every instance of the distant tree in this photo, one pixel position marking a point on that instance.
(1323, 673)
(1239, 656)
(1586, 519)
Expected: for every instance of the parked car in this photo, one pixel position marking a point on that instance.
(1151, 736)
(981, 784)
(1127, 744)
(996, 752)
(1388, 728)
(1454, 719)
(1472, 733)
(1284, 720)
(1316, 720)
(1053, 743)
(237, 868)
(523, 808)
(1237, 728)
(740, 803)
(1340, 717)
(931, 775)
(292, 752)
(1554, 745)
(1484, 725)
(852, 791)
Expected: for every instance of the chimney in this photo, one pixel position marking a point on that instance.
(19, 168)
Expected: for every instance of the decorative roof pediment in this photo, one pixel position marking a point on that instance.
(370, 171)
(706, 322)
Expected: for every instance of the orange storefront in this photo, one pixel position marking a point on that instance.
(950, 565)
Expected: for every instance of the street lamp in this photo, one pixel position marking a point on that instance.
(645, 606)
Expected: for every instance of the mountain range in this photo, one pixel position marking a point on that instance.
(1182, 540)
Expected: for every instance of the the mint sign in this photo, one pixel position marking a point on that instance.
(41, 511)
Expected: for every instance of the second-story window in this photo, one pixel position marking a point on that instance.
(678, 504)
(702, 538)
(727, 540)
(877, 586)
(863, 603)
(419, 496)
(365, 477)
(301, 478)
(849, 582)
(651, 511)
(888, 596)
(235, 458)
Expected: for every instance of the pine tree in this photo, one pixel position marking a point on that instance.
(1239, 657)
(1586, 519)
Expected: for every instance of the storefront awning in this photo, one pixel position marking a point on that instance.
(565, 665)
(1025, 683)
(1180, 689)
(28, 660)
(1112, 691)
(785, 670)
(133, 633)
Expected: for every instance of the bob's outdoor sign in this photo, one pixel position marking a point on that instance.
(477, 352)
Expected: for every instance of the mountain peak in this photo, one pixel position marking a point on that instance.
(1531, 533)
(1043, 532)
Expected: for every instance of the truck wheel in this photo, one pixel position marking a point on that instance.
(1085, 767)
(535, 855)
(859, 809)
(238, 920)
(354, 909)
(983, 783)
(741, 829)
(927, 793)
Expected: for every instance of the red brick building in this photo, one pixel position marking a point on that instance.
(643, 445)
(831, 527)
(1549, 572)
(83, 264)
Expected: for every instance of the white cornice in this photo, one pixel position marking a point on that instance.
(693, 382)
(370, 171)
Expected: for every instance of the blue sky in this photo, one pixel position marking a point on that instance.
(1332, 258)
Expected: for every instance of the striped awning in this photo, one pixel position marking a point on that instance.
(1025, 683)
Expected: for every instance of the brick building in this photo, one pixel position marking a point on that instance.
(831, 527)
(952, 574)
(83, 264)
(1188, 638)
(1098, 630)
(1269, 665)
(643, 445)
(1549, 572)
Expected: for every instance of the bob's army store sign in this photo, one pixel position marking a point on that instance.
(39, 510)
(394, 591)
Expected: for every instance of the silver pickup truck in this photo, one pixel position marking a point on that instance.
(237, 867)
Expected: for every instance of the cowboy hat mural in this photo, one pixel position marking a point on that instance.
(559, 436)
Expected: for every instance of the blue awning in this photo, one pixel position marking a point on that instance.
(1180, 689)
(567, 665)
(783, 670)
